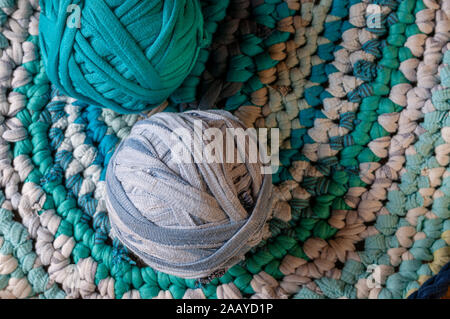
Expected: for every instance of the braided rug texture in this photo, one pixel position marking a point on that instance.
(362, 197)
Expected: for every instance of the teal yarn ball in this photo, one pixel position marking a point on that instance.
(129, 55)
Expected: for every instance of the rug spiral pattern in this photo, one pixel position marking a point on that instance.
(362, 197)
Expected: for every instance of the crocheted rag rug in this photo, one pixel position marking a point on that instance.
(360, 93)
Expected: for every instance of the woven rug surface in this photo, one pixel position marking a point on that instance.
(362, 195)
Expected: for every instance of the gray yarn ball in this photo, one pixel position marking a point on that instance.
(188, 219)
